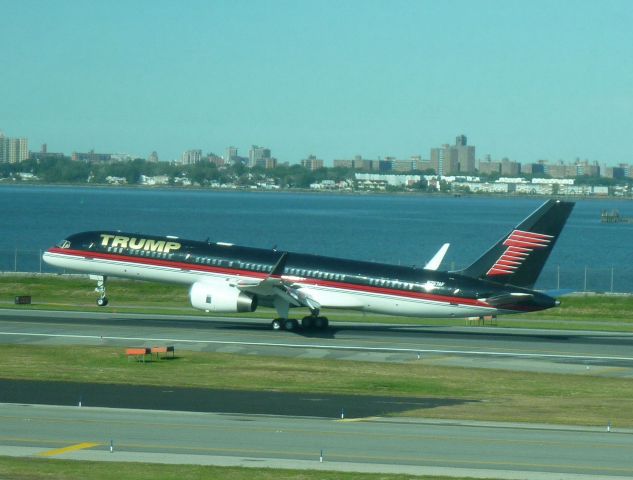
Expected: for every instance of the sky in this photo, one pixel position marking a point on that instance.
(526, 80)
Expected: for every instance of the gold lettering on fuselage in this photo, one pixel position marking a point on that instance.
(105, 238)
(154, 245)
(135, 243)
(120, 241)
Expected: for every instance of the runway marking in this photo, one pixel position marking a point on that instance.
(71, 448)
(598, 444)
(360, 419)
(417, 460)
(325, 347)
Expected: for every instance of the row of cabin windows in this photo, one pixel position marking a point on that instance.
(209, 261)
(171, 256)
(141, 253)
(376, 282)
(257, 267)
(395, 284)
(302, 272)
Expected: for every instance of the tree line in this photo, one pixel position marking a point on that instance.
(66, 171)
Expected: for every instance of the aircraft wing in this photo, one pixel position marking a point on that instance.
(267, 286)
(435, 262)
(274, 286)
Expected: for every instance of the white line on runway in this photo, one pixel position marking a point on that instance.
(324, 347)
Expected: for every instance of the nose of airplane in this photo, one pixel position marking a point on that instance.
(48, 257)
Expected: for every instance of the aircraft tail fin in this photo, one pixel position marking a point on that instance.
(519, 256)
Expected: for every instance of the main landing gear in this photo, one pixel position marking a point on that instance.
(102, 301)
(311, 322)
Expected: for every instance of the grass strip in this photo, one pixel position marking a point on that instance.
(44, 469)
(476, 394)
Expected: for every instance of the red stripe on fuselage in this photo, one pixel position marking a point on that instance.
(91, 255)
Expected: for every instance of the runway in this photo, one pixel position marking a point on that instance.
(267, 429)
(469, 449)
(577, 352)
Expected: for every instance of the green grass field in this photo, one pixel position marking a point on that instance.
(481, 394)
(44, 469)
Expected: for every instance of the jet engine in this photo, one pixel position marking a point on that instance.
(220, 298)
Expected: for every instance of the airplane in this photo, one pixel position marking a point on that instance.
(226, 278)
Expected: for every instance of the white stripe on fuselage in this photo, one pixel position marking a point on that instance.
(326, 296)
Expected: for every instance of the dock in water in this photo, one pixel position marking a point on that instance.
(613, 216)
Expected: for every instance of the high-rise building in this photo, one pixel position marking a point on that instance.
(91, 157)
(13, 150)
(258, 155)
(510, 168)
(189, 157)
(267, 163)
(613, 172)
(312, 163)
(560, 170)
(153, 157)
(231, 155)
(4, 148)
(536, 169)
(453, 159)
(444, 160)
(465, 155)
(488, 167)
(18, 150)
(587, 169)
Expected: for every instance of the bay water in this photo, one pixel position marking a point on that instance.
(398, 229)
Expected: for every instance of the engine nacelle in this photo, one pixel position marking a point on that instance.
(220, 298)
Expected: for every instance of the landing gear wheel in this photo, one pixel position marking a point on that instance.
(291, 324)
(307, 322)
(321, 323)
(277, 324)
(102, 301)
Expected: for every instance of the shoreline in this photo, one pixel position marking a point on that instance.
(310, 192)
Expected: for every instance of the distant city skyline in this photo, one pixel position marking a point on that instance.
(523, 80)
(459, 157)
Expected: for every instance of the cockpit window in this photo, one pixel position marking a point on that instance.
(63, 244)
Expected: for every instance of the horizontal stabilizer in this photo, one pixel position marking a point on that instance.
(559, 292)
(509, 298)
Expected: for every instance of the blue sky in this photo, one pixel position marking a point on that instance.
(522, 79)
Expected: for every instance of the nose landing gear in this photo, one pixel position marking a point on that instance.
(102, 301)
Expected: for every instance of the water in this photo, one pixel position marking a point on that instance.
(399, 229)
